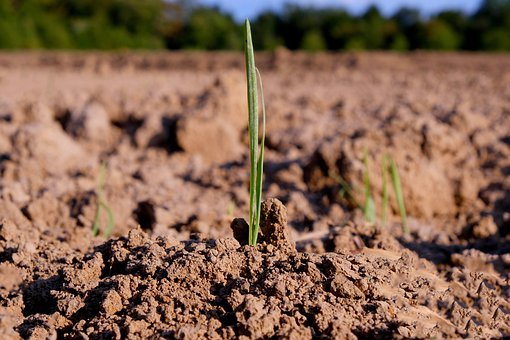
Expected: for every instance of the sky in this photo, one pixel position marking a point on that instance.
(250, 8)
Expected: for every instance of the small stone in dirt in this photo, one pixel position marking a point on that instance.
(112, 302)
(136, 237)
(273, 225)
(87, 277)
(486, 227)
(67, 303)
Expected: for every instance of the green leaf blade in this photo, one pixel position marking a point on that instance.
(101, 203)
(256, 150)
(397, 187)
(385, 193)
(260, 163)
(369, 208)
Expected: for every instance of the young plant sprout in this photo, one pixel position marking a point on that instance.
(397, 187)
(101, 203)
(231, 206)
(369, 208)
(369, 211)
(256, 147)
(346, 192)
(385, 193)
(388, 164)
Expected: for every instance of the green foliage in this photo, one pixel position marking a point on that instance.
(399, 43)
(489, 27)
(62, 24)
(369, 208)
(455, 19)
(385, 193)
(388, 165)
(256, 148)
(231, 207)
(373, 29)
(181, 24)
(338, 26)
(355, 44)
(440, 36)
(10, 36)
(210, 29)
(101, 203)
(397, 187)
(51, 33)
(345, 193)
(265, 31)
(313, 41)
(496, 40)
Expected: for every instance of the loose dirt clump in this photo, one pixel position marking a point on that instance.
(139, 287)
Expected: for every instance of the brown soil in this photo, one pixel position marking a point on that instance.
(172, 127)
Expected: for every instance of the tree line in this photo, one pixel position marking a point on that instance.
(181, 24)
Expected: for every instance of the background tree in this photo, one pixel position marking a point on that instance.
(267, 30)
(373, 28)
(177, 24)
(210, 29)
(489, 27)
(440, 36)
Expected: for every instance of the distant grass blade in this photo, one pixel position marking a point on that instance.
(101, 203)
(231, 208)
(345, 192)
(397, 187)
(95, 225)
(256, 149)
(385, 193)
(100, 186)
(369, 209)
(111, 220)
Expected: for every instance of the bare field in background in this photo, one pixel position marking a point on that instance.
(173, 129)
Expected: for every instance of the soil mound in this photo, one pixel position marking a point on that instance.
(140, 287)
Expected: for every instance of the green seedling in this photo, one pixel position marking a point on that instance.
(369, 207)
(256, 147)
(397, 187)
(101, 203)
(231, 206)
(385, 193)
(346, 192)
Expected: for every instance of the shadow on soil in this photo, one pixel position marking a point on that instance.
(442, 254)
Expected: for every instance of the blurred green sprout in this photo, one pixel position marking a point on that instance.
(102, 204)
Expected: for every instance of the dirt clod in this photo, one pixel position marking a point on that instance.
(273, 225)
(240, 228)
